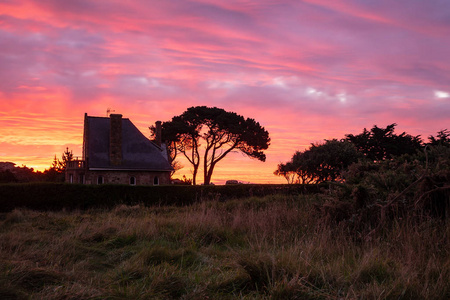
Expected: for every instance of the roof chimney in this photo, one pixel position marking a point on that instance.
(158, 133)
(115, 139)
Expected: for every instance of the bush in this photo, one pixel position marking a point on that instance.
(57, 196)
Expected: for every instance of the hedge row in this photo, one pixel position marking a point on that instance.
(57, 196)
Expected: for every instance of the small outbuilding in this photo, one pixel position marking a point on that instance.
(116, 152)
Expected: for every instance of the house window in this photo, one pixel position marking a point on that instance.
(100, 180)
(156, 180)
(132, 180)
(71, 178)
(82, 178)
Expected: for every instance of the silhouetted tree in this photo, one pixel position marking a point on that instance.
(289, 172)
(56, 171)
(382, 143)
(65, 158)
(10, 173)
(181, 135)
(442, 139)
(319, 163)
(221, 132)
(172, 131)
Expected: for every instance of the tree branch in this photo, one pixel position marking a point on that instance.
(441, 188)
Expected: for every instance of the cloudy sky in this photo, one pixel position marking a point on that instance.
(306, 70)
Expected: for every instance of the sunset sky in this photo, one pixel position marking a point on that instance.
(306, 70)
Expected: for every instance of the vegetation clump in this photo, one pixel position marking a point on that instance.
(377, 177)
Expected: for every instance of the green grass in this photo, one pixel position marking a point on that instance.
(254, 248)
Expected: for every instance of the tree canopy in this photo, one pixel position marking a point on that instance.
(207, 134)
(442, 138)
(56, 171)
(327, 161)
(382, 143)
(320, 163)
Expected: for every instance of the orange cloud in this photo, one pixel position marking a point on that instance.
(306, 70)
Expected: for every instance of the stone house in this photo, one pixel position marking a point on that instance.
(116, 152)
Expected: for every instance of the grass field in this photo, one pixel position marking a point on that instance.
(276, 247)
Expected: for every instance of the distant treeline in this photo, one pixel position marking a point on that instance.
(10, 173)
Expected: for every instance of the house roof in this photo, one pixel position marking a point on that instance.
(138, 152)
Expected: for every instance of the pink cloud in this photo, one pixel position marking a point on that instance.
(307, 70)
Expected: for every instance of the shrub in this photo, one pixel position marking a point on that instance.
(54, 196)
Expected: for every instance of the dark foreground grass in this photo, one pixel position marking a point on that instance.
(255, 248)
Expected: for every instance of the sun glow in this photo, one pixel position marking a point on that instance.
(306, 70)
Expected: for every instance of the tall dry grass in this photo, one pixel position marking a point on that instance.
(256, 248)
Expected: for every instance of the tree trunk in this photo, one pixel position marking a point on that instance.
(209, 173)
(205, 173)
(194, 175)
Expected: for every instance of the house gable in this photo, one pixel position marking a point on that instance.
(115, 151)
(137, 152)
